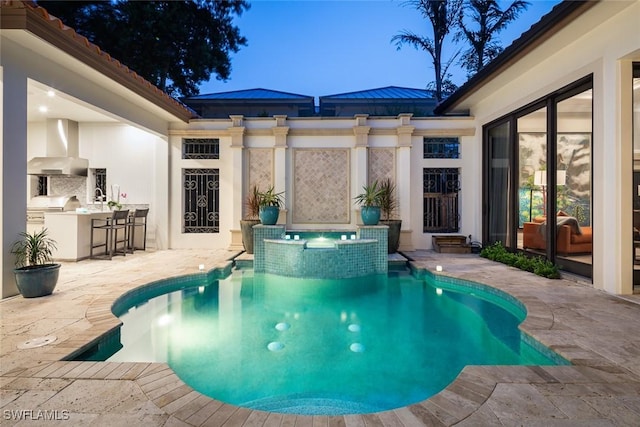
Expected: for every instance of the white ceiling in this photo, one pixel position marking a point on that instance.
(59, 105)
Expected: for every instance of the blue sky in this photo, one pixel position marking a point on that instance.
(325, 47)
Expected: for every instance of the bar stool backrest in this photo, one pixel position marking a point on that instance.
(120, 215)
(141, 213)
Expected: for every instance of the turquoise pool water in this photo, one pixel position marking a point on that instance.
(324, 346)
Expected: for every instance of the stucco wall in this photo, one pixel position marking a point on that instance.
(603, 43)
(324, 161)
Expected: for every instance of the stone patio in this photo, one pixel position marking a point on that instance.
(597, 332)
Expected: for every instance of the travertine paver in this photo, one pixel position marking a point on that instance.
(596, 331)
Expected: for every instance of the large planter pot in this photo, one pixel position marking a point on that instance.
(269, 214)
(246, 226)
(370, 215)
(37, 280)
(394, 234)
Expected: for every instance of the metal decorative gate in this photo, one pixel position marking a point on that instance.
(440, 206)
(201, 195)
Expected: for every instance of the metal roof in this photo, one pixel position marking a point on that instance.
(252, 94)
(389, 92)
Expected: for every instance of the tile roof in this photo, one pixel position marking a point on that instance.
(389, 92)
(28, 16)
(257, 93)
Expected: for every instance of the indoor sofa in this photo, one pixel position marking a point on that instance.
(571, 239)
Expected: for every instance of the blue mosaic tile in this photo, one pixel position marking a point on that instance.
(330, 260)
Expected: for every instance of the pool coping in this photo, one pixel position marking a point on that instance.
(464, 399)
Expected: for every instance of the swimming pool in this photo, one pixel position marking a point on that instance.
(317, 346)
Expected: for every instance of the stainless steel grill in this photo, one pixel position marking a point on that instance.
(40, 204)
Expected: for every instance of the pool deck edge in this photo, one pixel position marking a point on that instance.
(597, 332)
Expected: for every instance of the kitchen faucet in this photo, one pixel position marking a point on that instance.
(99, 190)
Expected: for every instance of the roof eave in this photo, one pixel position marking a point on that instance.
(553, 22)
(38, 22)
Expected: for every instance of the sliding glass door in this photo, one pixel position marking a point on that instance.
(532, 184)
(574, 237)
(528, 208)
(497, 203)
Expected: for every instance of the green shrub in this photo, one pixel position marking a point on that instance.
(537, 265)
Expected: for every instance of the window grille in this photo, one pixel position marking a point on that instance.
(43, 184)
(441, 148)
(440, 188)
(101, 183)
(201, 148)
(201, 194)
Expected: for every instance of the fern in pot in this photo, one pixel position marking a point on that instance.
(36, 274)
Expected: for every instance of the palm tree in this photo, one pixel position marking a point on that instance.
(443, 15)
(489, 20)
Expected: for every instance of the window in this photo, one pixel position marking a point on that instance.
(201, 195)
(440, 210)
(441, 148)
(100, 176)
(201, 148)
(43, 185)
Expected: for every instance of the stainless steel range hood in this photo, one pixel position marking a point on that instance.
(62, 151)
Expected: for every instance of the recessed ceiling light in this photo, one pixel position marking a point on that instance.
(51, 93)
(43, 109)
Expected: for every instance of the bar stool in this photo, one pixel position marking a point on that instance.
(138, 219)
(111, 226)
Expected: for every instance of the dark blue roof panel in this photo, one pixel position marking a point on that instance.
(389, 92)
(258, 93)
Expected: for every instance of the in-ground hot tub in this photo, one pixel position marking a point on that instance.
(320, 254)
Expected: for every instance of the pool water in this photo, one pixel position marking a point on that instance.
(324, 346)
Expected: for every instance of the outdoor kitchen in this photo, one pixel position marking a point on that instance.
(66, 198)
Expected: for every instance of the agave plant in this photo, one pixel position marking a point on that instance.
(370, 195)
(33, 249)
(270, 198)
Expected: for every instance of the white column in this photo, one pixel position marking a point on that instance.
(161, 203)
(237, 131)
(360, 162)
(13, 177)
(403, 178)
(280, 132)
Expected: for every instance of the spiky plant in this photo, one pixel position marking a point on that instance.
(387, 200)
(33, 249)
(253, 203)
(370, 195)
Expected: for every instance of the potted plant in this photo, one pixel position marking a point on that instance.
(270, 203)
(36, 274)
(252, 206)
(388, 205)
(112, 204)
(369, 199)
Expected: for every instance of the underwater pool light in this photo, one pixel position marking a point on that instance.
(282, 326)
(275, 346)
(356, 347)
